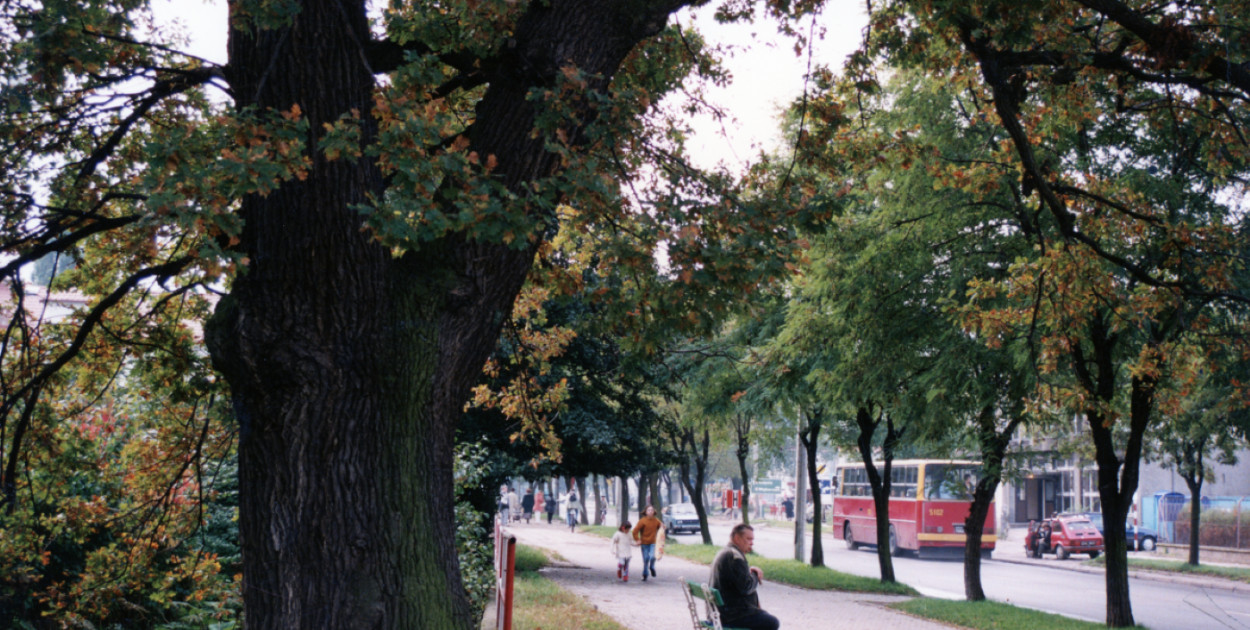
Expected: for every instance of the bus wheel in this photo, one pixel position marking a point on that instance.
(893, 542)
(1061, 552)
(1093, 554)
(850, 540)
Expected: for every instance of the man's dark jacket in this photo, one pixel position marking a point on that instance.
(731, 575)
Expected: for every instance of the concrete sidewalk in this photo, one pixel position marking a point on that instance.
(589, 571)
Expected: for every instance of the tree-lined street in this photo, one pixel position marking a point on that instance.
(281, 329)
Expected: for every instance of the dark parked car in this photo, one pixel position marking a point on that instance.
(1139, 538)
(680, 518)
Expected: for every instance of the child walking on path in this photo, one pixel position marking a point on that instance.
(646, 532)
(622, 548)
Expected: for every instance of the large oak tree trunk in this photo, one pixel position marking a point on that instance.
(350, 367)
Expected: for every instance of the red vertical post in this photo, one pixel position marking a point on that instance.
(505, 568)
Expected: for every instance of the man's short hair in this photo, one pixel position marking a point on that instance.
(738, 529)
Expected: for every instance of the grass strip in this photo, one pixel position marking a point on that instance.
(787, 571)
(989, 615)
(1173, 566)
(538, 602)
(530, 559)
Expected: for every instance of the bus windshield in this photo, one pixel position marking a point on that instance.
(950, 481)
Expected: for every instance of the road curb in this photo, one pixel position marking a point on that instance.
(1145, 574)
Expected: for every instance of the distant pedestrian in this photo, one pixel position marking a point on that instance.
(623, 549)
(514, 505)
(646, 532)
(552, 504)
(527, 504)
(572, 508)
(505, 508)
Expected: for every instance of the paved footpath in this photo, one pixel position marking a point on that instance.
(590, 571)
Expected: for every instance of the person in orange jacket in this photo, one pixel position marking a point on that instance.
(645, 532)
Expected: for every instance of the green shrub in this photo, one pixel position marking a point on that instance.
(474, 541)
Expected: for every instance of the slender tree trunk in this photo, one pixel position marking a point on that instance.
(810, 437)
(600, 508)
(880, 483)
(973, 529)
(657, 497)
(1116, 486)
(1194, 482)
(623, 504)
(643, 486)
(993, 452)
(580, 483)
(742, 427)
(696, 451)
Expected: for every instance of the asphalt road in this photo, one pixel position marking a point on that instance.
(1051, 585)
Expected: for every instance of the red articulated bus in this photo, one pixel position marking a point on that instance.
(929, 502)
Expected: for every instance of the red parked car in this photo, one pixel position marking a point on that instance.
(1063, 535)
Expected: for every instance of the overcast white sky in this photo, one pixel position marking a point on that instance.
(767, 73)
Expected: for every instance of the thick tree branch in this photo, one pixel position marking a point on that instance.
(63, 243)
(1171, 41)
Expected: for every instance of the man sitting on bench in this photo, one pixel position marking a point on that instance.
(737, 583)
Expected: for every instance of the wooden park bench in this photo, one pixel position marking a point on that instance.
(710, 597)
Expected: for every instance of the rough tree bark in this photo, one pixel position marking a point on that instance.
(350, 367)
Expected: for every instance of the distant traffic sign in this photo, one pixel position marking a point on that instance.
(767, 486)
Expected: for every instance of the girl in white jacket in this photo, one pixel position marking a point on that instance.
(623, 549)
